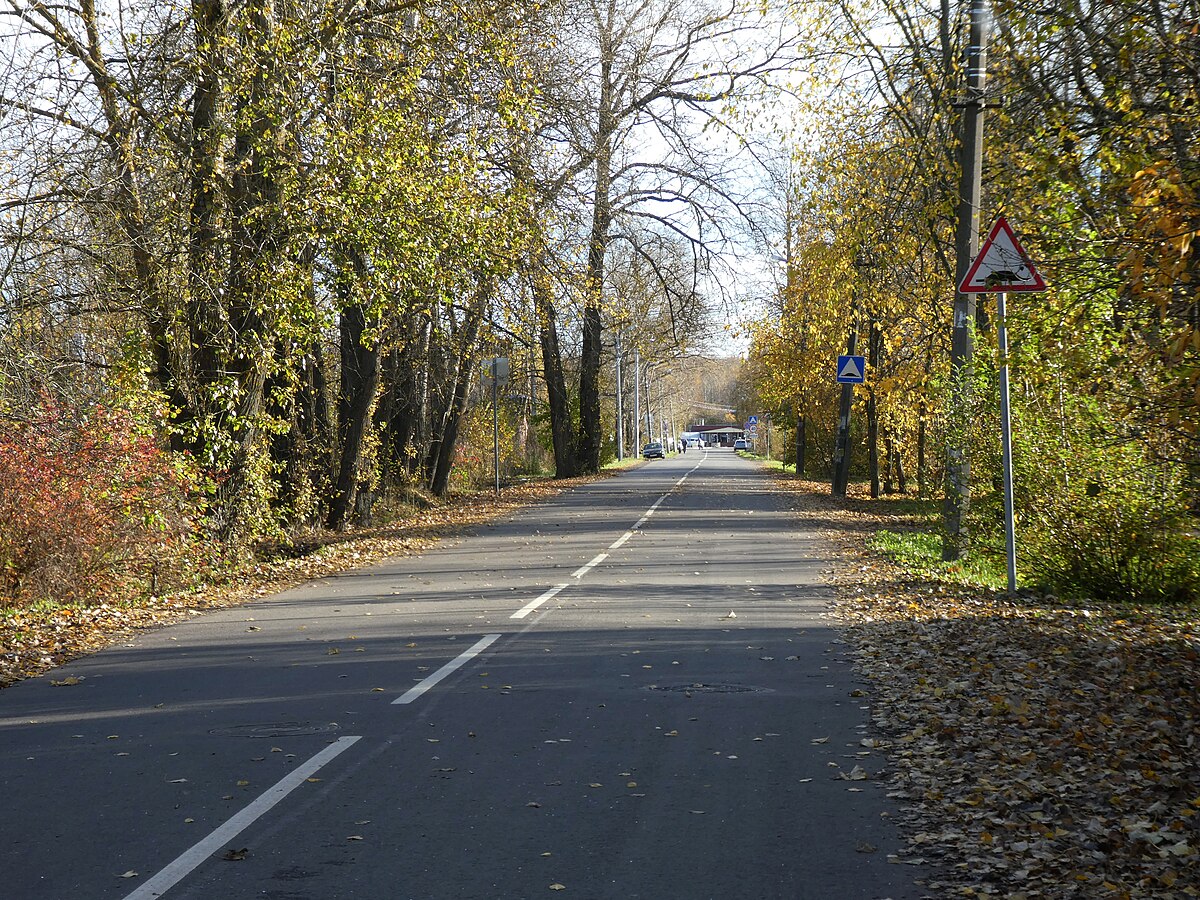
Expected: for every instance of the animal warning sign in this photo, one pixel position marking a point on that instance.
(1002, 265)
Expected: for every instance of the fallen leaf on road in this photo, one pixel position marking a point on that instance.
(67, 682)
(235, 855)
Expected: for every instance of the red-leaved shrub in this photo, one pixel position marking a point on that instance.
(89, 505)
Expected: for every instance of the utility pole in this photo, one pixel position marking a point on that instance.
(637, 401)
(962, 345)
(649, 415)
(620, 404)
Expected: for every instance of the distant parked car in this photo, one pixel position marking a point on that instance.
(740, 444)
(654, 450)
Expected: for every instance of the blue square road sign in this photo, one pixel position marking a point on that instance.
(851, 369)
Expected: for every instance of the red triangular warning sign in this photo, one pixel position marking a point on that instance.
(1002, 265)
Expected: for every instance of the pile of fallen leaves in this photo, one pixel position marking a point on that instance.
(33, 641)
(1040, 748)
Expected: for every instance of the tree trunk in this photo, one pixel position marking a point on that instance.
(558, 402)
(317, 427)
(207, 231)
(443, 463)
(243, 352)
(923, 427)
(359, 383)
(888, 460)
(901, 477)
(402, 407)
(875, 350)
(801, 440)
(590, 433)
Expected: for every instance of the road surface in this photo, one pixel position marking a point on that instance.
(630, 691)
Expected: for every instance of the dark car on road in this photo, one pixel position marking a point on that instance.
(654, 450)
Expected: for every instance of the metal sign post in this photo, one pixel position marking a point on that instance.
(1010, 531)
(495, 438)
(851, 370)
(496, 372)
(1002, 266)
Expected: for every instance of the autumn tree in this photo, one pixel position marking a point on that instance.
(1089, 150)
(242, 178)
(624, 99)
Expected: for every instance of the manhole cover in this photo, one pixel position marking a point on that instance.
(700, 687)
(274, 730)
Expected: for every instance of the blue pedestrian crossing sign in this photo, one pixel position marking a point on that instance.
(851, 369)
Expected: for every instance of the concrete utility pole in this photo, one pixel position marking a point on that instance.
(620, 404)
(962, 346)
(637, 401)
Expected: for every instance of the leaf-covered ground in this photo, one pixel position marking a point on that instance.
(32, 641)
(1039, 748)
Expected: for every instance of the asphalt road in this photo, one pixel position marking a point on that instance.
(630, 691)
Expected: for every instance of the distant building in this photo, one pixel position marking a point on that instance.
(713, 435)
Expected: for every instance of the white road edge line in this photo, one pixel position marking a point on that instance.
(449, 668)
(587, 567)
(183, 865)
(534, 604)
(616, 545)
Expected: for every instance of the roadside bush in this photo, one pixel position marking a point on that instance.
(89, 505)
(1097, 514)
(1117, 529)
